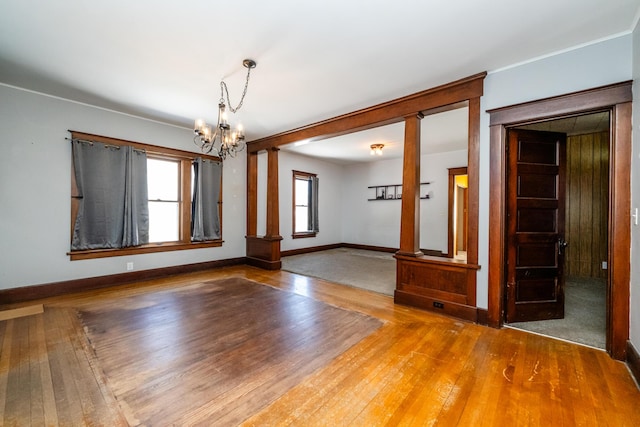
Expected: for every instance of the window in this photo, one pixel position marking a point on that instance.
(175, 203)
(164, 201)
(305, 204)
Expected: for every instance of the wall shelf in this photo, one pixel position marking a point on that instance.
(394, 192)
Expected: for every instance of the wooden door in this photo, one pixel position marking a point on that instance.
(535, 225)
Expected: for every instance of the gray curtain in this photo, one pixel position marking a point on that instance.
(313, 203)
(205, 218)
(112, 186)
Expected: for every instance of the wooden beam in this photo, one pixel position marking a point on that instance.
(386, 113)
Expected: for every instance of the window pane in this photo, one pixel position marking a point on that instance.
(162, 179)
(302, 219)
(302, 192)
(163, 221)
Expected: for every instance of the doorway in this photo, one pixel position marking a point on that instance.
(617, 99)
(571, 303)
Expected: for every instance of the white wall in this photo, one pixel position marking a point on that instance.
(591, 66)
(35, 186)
(634, 331)
(377, 223)
(434, 223)
(329, 202)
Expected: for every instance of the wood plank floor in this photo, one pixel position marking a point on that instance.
(417, 369)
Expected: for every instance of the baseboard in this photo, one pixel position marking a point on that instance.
(483, 316)
(369, 247)
(310, 249)
(263, 264)
(633, 361)
(337, 246)
(30, 293)
(459, 311)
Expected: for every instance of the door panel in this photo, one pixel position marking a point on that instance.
(535, 225)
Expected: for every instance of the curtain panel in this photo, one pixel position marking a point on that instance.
(205, 216)
(314, 223)
(112, 191)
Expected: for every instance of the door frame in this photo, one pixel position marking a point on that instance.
(615, 98)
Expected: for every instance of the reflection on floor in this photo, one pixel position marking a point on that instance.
(585, 314)
(585, 299)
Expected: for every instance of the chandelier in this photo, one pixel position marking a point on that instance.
(376, 149)
(221, 141)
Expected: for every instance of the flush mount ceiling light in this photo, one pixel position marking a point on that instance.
(221, 141)
(376, 149)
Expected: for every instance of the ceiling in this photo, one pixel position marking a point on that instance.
(574, 125)
(447, 131)
(317, 59)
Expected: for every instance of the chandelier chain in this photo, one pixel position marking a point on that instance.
(224, 90)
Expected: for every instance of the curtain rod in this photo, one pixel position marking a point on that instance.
(88, 141)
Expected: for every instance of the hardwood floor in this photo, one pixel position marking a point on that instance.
(418, 368)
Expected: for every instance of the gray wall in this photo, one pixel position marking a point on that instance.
(584, 68)
(35, 189)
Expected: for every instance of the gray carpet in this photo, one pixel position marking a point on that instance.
(371, 270)
(585, 315)
(585, 299)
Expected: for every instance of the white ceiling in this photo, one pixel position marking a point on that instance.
(439, 133)
(317, 59)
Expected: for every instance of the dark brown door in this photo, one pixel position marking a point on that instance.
(535, 225)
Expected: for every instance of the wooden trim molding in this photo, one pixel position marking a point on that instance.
(369, 247)
(563, 105)
(386, 113)
(617, 99)
(30, 293)
(453, 172)
(633, 361)
(312, 249)
(619, 231)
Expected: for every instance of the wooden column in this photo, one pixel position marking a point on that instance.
(410, 216)
(273, 204)
(263, 252)
(473, 173)
(252, 194)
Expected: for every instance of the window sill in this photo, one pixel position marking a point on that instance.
(303, 235)
(145, 249)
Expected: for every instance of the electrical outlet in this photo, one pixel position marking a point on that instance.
(604, 265)
(129, 266)
(437, 304)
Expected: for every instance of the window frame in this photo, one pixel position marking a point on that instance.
(307, 176)
(185, 159)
